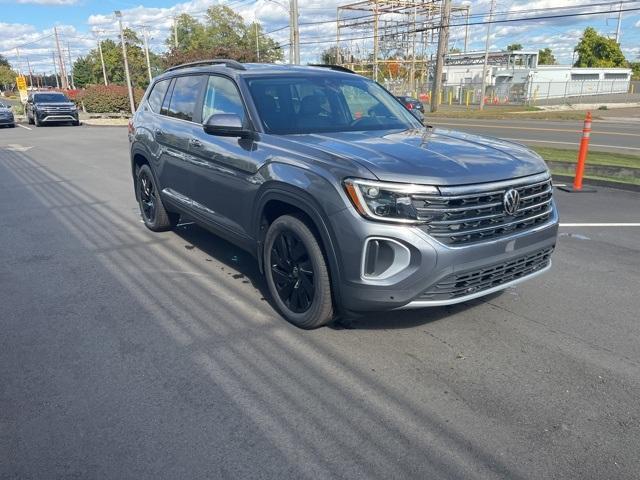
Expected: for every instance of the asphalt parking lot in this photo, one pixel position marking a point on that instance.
(128, 354)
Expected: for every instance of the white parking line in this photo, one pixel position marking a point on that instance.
(600, 224)
(22, 126)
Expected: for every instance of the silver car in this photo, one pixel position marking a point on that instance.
(6, 115)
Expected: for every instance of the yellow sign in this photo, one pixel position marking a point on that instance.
(21, 83)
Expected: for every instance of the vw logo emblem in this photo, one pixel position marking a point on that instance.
(511, 201)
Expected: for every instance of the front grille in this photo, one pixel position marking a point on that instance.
(57, 110)
(468, 283)
(478, 214)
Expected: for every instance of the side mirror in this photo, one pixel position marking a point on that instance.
(226, 125)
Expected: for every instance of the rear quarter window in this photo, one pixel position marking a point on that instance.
(157, 95)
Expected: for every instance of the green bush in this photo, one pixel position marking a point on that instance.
(108, 99)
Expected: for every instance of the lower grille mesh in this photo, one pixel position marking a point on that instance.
(468, 283)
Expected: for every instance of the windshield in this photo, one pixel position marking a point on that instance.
(50, 98)
(290, 105)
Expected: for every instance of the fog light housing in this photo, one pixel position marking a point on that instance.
(383, 258)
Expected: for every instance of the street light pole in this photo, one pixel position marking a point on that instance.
(126, 61)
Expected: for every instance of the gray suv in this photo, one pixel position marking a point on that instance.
(347, 201)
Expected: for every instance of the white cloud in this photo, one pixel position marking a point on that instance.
(48, 2)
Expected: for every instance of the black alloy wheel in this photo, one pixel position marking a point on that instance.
(153, 212)
(147, 192)
(292, 272)
(297, 273)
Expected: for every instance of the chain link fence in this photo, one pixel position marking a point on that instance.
(525, 93)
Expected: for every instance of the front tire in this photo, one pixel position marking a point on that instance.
(36, 121)
(154, 215)
(297, 273)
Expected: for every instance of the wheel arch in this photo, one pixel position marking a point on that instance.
(283, 199)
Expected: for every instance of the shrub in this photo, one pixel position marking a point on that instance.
(108, 99)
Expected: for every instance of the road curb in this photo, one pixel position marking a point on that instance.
(598, 183)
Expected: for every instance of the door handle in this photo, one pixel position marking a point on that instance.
(194, 142)
(159, 132)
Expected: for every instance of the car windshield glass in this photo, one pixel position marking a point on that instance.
(50, 98)
(313, 104)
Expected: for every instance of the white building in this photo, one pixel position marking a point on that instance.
(516, 76)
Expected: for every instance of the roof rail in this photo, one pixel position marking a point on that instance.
(217, 61)
(337, 68)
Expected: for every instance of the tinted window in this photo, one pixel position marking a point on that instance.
(221, 96)
(184, 97)
(157, 95)
(50, 98)
(290, 105)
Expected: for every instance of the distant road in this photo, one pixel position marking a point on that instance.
(606, 136)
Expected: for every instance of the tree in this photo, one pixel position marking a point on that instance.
(83, 71)
(455, 50)
(4, 62)
(514, 47)
(7, 77)
(635, 68)
(223, 33)
(595, 50)
(545, 57)
(88, 69)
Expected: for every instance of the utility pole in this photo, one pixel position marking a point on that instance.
(295, 31)
(443, 42)
(104, 69)
(73, 83)
(466, 30)
(257, 40)
(412, 74)
(486, 55)
(55, 68)
(30, 74)
(375, 41)
(175, 32)
(619, 24)
(118, 14)
(338, 59)
(146, 51)
(18, 55)
(63, 72)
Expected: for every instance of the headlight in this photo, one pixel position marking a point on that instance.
(74, 108)
(389, 202)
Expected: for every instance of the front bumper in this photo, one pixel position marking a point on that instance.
(57, 117)
(431, 263)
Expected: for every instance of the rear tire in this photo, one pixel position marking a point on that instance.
(297, 273)
(154, 215)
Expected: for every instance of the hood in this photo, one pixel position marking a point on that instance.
(429, 156)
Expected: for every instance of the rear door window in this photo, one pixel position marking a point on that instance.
(185, 97)
(157, 95)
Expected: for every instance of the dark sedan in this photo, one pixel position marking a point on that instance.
(413, 105)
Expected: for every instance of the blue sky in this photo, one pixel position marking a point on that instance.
(24, 23)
